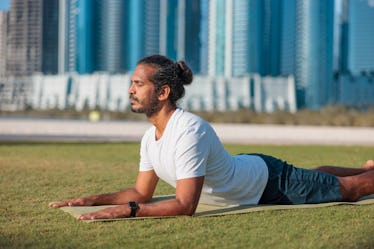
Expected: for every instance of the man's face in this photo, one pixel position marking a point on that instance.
(143, 98)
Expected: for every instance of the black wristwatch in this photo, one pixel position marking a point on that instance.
(134, 207)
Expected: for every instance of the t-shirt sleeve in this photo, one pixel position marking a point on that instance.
(145, 164)
(192, 153)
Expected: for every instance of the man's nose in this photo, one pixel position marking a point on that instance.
(131, 89)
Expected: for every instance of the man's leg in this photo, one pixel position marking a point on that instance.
(341, 171)
(357, 186)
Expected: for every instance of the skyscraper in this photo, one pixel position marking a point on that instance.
(32, 37)
(240, 34)
(193, 41)
(67, 45)
(24, 46)
(50, 37)
(314, 52)
(287, 40)
(137, 21)
(85, 37)
(357, 36)
(92, 36)
(3, 42)
(179, 30)
(109, 37)
(243, 37)
(152, 27)
(217, 37)
(271, 37)
(204, 37)
(170, 22)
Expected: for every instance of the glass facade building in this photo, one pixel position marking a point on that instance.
(288, 37)
(314, 52)
(360, 36)
(32, 37)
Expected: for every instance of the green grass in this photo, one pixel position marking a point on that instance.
(34, 174)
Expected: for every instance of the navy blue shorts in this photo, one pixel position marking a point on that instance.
(290, 185)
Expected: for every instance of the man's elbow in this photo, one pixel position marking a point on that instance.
(188, 209)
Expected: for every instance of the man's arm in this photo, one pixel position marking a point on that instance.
(187, 197)
(142, 192)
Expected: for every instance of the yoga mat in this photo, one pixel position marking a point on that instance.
(204, 210)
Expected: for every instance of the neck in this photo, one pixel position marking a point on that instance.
(161, 118)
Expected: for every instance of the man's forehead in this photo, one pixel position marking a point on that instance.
(144, 71)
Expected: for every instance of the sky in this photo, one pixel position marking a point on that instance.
(4, 5)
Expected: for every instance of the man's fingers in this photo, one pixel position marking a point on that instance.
(84, 217)
(92, 216)
(58, 204)
(75, 202)
(108, 213)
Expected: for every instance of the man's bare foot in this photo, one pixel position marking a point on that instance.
(369, 165)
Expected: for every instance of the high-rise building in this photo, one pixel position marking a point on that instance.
(217, 37)
(85, 36)
(3, 42)
(239, 34)
(139, 14)
(193, 41)
(170, 23)
(203, 38)
(271, 37)
(92, 36)
(179, 31)
(152, 27)
(287, 40)
(314, 52)
(32, 37)
(24, 37)
(50, 37)
(67, 48)
(357, 36)
(243, 37)
(343, 44)
(109, 40)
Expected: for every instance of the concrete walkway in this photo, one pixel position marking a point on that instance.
(80, 130)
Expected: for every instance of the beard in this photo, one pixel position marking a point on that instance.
(150, 108)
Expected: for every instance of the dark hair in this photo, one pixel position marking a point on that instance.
(173, 74)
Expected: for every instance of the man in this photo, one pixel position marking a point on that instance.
(183, 150)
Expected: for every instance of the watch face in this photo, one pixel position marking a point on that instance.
(133, 204)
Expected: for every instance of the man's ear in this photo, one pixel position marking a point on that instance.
(164, 92)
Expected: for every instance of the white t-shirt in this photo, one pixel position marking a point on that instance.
(189, 147)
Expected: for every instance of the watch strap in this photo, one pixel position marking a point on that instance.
(134, 208)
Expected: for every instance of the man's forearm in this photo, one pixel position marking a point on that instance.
(119, 198)
(166, 208)
(163, 208)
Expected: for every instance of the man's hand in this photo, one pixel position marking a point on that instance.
(122, 211)
(74, 202)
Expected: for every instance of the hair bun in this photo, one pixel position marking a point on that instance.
(184, 73)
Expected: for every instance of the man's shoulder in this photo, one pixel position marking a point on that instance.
(188, 123)
(187, 119)
(186, 116)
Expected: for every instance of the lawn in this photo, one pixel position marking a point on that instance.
(34, 174)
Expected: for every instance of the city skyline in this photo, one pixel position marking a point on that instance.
(316, 42)
(178, 53)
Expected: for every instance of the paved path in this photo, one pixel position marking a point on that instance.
(79, 130)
